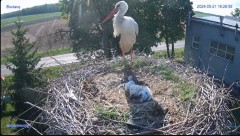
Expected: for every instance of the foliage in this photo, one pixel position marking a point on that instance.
(83, 18)
(173, 15)
(65, 8)
(236, 12)
(47, 8)
(5, 91)
(152, 16)
(24, 61)
(49, 74)
(5, 85)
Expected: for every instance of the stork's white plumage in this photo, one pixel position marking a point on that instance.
(124, 26)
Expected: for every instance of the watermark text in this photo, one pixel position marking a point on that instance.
(13, 6)
(18, 126)
(215, 6)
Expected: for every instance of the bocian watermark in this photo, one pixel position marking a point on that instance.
(18, 126)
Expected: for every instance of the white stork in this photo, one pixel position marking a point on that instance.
(124, 26)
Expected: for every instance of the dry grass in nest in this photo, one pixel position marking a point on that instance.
(104, 108)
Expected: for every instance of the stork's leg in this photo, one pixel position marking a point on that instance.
(122, 53)
(131, 55)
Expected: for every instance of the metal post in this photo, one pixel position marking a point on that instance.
(221, 25)
(236, 32)
(189, 17)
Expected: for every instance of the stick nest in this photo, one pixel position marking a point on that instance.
(103, 108)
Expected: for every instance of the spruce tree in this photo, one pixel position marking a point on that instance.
(23, 60)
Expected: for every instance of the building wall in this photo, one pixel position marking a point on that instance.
(207, 62)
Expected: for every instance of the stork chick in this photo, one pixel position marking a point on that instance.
(142, 92)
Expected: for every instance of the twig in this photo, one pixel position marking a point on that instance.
(155, 130)
(33, 128)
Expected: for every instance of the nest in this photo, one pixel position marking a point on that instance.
(97, 93)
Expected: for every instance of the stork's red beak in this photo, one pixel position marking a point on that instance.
(111, 14)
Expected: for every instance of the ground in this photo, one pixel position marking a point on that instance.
(35, 30)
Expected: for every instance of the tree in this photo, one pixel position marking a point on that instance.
(66, 8)
(153, 17)
(84, 17)
(173, 14)
(236, 13)
(24, 60)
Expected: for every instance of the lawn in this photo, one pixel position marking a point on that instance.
(6, 118)
(200, 14)
(10, 21)
(179, 54)
(55, 52)
(46, 54)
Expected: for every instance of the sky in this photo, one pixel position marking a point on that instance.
(197, 5)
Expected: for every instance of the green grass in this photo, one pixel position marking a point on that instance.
(140, 62)
(112, 113)
(3, 60)
(166, 72)
(6, 119)
(144, 63)
(55, 52)
(49, 74)
(179, 53)
(10, 21)
(52, 72)
(137, 63)
(45, 54)
(184, 91)
(200, 14)
(119, 63)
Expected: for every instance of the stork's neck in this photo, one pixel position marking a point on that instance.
(119, 17)
(122, 11)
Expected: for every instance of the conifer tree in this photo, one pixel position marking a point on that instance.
(24, 59)
(23, 62)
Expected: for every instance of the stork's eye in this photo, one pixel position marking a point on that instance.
(118, 6)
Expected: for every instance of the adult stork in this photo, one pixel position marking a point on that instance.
(123, 26)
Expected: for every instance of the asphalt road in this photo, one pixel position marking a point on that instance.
(70, 58)
(162, 46)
